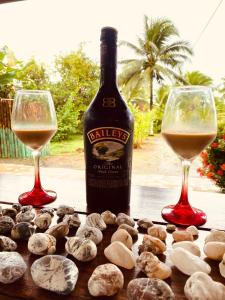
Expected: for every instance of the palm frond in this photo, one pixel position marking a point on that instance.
(136, 49)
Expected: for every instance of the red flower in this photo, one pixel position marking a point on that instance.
(199, 170)
(222, 167)
(224, 137)
(210, 175)
(220, 172)
(214, 145)
(204, 154)
(211, 167)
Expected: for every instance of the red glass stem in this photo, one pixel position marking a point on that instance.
(184, 190)
(37, 181)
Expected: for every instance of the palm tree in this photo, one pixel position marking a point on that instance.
(158, 55)
(197, 78)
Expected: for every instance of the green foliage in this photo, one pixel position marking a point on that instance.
(9, 67)
(197, 78)
(68, 121)
(33, 76)
(142, 122)
(159, 54)
(79, 80)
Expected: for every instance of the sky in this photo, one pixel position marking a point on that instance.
(46, 28)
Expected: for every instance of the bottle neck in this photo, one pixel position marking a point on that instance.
(108, 64)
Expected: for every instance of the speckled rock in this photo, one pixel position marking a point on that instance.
(43, 221)
(22, 231)
(10, 212)
(91, 233)
(171, 227)
(187, 262)
(108, 217)
(48, 210)
(145, 223)
(26, 216)
(152, 266)
(106, 280)
(131, 230)
(6, 224)
(157, 231)
(59, 230)
(12, 266)
(17, 206)
(182, 235)
(152, 244)
(55, 273)
(200, 286)
(42, 244)
(72, 220)
(95, 220)
(124, 219)
(122, 236)
(82, 249)
(63, 210)
(149, 289)
(26, 208)
(6, 244)
(118, 254)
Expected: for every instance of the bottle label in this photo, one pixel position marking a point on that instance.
(109, 166)
(111, 133)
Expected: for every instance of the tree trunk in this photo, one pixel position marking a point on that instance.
(151, 92)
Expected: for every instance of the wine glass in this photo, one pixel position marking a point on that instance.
(34, 123)
(189, 125)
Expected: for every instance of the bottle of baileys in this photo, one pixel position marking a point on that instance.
(108, 137)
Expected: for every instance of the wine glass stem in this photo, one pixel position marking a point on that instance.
(37, 182)
(184, 190)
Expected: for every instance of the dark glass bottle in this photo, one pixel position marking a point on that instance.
(108, 137)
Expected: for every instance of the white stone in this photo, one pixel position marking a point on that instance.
(123, 236)
(82, 249)
(12, 266)
(215, 236)
(42, 244)
(152, 266)
(187, 262)
(182, 235)
(95, 220)
(91, 233)
(193, 230)
(222, 266)
(106, 280)
(118, 254)
(214, 250)
(55, 273)
(200, 286)
(108, 217)
(7, 244)
(189, 246)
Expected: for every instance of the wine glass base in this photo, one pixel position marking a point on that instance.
(37, 197)
(182, 216)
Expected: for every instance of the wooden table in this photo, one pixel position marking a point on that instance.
(145, 202)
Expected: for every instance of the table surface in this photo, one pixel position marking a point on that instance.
(145, 202)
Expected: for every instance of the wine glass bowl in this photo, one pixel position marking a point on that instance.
(34, 123)
(189, 125)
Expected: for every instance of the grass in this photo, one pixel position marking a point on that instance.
(70, 146)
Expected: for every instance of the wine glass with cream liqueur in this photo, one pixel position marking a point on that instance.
(189, 125)
(34, 123)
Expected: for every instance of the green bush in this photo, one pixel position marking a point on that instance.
(68, 121)
(142, 121)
